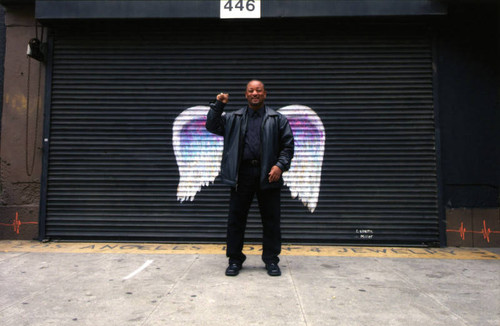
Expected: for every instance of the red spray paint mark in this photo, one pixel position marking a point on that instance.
(16, 224)
(485, 231)
(462, 231)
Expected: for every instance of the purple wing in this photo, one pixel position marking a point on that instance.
(198, 152)
(304, 177)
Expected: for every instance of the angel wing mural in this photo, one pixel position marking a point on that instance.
(199, 152)
(304, 176)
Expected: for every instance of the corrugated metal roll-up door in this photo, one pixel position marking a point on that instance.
(118, 90)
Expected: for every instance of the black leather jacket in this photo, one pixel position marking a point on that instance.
(277, 143)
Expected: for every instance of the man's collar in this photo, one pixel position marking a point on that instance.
(260, 111)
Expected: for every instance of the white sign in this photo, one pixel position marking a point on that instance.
(239, 9)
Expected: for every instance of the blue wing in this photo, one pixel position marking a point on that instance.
(304, 177)
(197, 151)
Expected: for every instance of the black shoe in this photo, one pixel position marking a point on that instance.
(273, 269)
(233, 269)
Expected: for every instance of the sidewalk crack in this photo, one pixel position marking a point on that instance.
(170, 291)
(297, 296)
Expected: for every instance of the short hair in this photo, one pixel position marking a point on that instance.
(263, 86)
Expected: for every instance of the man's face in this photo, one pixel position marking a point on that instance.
(255, 94)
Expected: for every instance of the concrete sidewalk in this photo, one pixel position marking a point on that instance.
(53, 288)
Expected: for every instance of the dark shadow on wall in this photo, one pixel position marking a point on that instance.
(2, 58)
(468, 52)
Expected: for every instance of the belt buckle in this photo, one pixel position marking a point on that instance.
(254, 162)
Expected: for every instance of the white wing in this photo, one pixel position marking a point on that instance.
(197, 151)
(304, 177)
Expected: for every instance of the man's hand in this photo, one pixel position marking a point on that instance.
(275, 174)
(223, 97)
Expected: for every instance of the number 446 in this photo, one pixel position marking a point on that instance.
(240, 4)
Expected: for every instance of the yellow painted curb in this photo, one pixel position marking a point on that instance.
(219, 249)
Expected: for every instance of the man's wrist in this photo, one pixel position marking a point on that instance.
(219, 105)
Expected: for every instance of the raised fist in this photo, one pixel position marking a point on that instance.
(223, 97)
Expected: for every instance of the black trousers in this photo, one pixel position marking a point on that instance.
(239, 205)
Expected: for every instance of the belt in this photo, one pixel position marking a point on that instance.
(251, 162)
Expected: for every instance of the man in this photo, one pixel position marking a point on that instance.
(258, 148)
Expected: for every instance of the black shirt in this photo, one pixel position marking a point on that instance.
(251, 151)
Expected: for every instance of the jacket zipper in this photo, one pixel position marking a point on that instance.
(241, 135)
